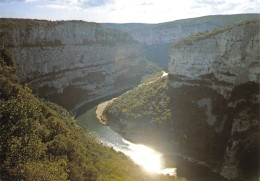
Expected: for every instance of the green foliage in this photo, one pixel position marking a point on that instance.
(146, 102)
(41, 141)
(159, 110)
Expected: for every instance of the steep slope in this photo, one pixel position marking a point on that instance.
(226, 62)
(41, 140)
(137, 114)
(157, 38)
(77, 60)
(224, 57)
(208, 109)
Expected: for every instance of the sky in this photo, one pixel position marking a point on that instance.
(124, 11)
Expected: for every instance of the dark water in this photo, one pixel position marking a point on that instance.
(190, 171)
(195, 172)
(91, 104)
(141, 154)
(103, 133)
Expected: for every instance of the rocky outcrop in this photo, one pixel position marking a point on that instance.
(157, 38)
(226, 57)
(241, 158)
(72, 62)
(214, 78)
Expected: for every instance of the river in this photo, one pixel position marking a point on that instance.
(149, 158)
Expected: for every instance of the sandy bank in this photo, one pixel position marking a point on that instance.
(101, 108)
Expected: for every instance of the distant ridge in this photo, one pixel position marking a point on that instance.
(157, 38)
(220, 19)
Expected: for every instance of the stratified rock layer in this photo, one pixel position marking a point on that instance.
(218, 71)
(72, 62)
(157, 38)
(230, 56)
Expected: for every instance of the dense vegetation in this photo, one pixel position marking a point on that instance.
(158, 107)
(41, 141)
(174, 116)
(145, 102)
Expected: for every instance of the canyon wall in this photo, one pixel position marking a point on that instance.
(157, 38)
(72, 62)
(214, 80)
(225, 57)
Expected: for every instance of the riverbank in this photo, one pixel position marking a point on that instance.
(101, 108)
(95, 102)
(151, 135)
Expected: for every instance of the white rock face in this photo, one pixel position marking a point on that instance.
(169, 32)
(157, 38)
(227, 62)
(164, 34)
(52, 56)
(231, 56)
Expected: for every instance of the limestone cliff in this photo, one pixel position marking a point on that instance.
(207, 111)
(157, 38)
(224, 57)
(214, 77)
(72, 62)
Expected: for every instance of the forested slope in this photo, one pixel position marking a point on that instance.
(41, 141)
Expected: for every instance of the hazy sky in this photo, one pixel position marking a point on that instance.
(123, 11)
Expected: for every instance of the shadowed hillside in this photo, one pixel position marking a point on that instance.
(207, 110)
(41, 141)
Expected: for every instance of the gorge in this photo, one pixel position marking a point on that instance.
(205, 111)
(86, 61)
(78, 60)
(156, 39)
(224, 62)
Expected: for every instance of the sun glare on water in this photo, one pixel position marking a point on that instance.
(148, 158)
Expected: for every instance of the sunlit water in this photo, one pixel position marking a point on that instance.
(151, 160)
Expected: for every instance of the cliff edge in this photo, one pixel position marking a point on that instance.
(72, 62)
(207, 110)
(219, 71)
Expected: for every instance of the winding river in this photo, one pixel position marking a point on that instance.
(150, 159)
